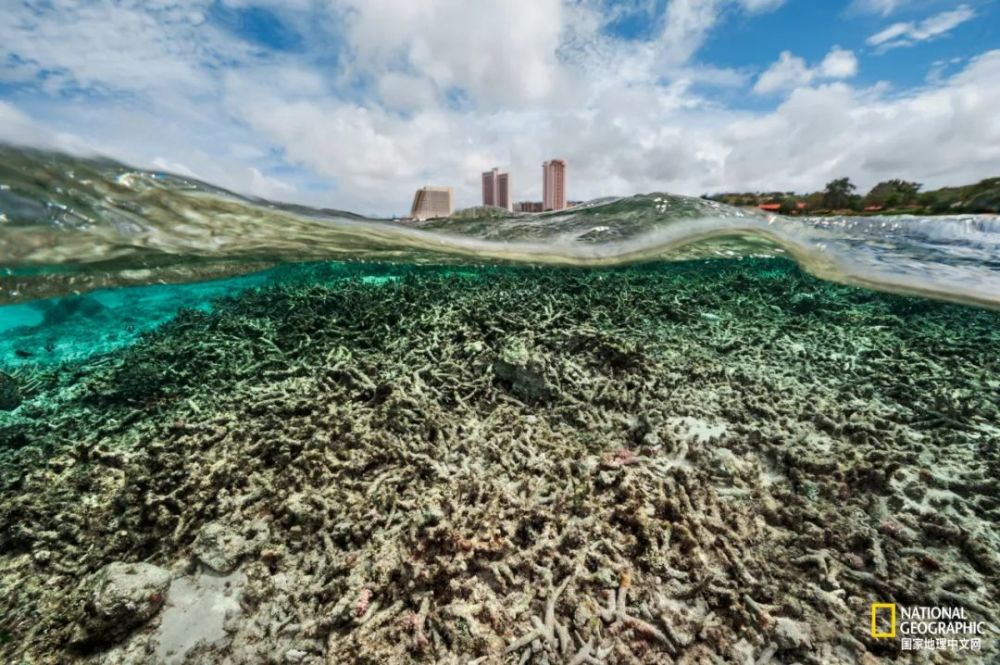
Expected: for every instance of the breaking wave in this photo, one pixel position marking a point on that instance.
(69, 224)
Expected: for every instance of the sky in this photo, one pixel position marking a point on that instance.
(353, 104)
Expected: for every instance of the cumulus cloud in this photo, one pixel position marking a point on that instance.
(687, 23)
(17, 128)
(908, 33)
(395, 94)
(495, 51)
(125, 46)
(791, 71)
(943, 135)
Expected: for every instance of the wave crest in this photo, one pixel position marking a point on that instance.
(70, 224)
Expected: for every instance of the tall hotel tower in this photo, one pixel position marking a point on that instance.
(497, 190)
(554, 185)
(431, 202)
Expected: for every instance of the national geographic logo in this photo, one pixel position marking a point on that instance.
(888, 612)
(927, 628)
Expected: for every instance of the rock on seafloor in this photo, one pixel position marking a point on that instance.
(10, 394)
(221, 547)
(121, 596)
(524, 369)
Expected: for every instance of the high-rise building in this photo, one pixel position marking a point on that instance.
(490, 187)
(504, 195)
(497, 189)
(431, 202)
(554, 184)
(528, 206)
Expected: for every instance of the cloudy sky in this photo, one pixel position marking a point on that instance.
(355, 103)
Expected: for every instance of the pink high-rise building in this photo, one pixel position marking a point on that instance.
(497, 189)
(554, 184)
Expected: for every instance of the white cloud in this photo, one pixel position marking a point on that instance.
(18, 128)
(123, 46)
(496, 51)
(943, 135)
(761, 5)
(938, 69)
(434, 92)
(839, 64)
(687, 24)
(883, 7)
(163, 164)
(905, 34)
(791, 71)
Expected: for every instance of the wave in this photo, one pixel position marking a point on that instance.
(69, 224)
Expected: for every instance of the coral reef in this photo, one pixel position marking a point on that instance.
(120, 597)
(10, 392)
(694, 463)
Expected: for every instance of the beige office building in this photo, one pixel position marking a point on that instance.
(497, 189)
(431, 202)
(554, 184)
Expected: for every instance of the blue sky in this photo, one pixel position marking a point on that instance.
(355, 103)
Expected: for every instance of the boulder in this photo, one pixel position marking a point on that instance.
(221, 547)
(10, 393)
(121, 597)
(523, 369)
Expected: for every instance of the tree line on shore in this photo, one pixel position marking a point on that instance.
(888, 196)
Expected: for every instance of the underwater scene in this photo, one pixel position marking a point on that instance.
(655, 429)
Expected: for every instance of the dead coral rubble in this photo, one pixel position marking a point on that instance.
(670, 465)
(120, 597)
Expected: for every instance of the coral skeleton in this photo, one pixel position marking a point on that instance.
(530, 467)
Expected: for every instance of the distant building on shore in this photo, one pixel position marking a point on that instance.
(554, 184)
(431, 202)
(528, 206)
(497, 189)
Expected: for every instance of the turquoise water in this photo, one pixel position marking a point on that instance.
(55, 330)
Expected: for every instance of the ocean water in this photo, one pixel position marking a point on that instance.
(646, 429)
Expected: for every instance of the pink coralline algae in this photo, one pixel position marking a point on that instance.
(618, 458)
(361, 607)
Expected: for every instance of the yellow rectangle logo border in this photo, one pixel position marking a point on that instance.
(892, 620)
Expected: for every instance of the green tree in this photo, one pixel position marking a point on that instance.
(839, 193)
(891, 193)
(789, 205)
(927, 199)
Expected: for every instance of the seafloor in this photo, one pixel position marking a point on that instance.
(697, 463)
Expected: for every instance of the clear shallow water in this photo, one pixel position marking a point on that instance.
(69, 225)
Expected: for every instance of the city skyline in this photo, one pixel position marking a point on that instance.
(498, 189)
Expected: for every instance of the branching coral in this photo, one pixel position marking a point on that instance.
(548, 466)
